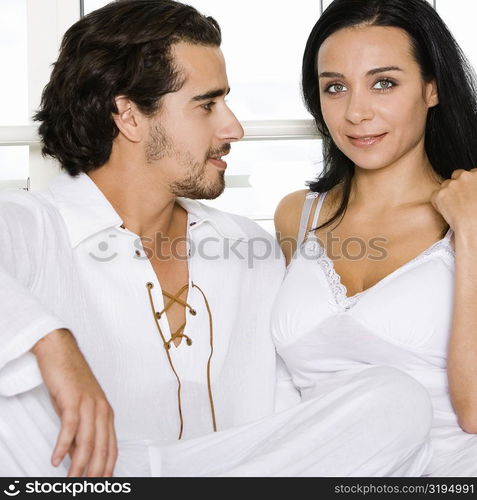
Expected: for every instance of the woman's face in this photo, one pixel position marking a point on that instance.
(373, 98)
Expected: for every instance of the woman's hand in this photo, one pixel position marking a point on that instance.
(456, 201)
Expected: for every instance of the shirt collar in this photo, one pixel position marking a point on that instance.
(86, 211)
(223, 222)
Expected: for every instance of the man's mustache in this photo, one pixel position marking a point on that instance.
(222, 151)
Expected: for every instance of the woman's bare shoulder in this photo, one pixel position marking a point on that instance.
(288, 213)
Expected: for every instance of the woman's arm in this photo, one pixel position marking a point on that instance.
(462, 361)
(457, 203)
(287, 222)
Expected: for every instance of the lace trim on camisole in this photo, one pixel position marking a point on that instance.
(313, 249)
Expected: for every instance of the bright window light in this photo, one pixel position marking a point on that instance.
(13, 54)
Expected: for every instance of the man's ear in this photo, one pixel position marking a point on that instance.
(432, 94)
(129, 119)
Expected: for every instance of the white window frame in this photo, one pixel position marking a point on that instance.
(47, 21)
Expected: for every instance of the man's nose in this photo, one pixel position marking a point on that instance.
(232, 130)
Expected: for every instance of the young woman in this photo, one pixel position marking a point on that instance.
(385, 234)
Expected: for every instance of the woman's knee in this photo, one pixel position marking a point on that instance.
(403, 399)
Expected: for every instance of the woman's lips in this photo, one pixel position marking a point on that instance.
(366, 142)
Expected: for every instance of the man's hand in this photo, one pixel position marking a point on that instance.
(87, 430)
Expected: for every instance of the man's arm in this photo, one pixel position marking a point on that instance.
(36, 347)
(23, 322)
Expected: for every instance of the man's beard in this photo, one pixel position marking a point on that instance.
(195, 185)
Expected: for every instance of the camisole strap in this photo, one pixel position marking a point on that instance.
(305, 215)
(316, 216)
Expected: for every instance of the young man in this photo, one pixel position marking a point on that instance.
(168, 300)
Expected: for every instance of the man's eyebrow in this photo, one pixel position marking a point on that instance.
(211, 94)
(375, 71)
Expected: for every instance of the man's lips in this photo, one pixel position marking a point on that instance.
(218, 162)
(216, 157)
(366, 140)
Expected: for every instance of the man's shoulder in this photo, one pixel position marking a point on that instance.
(24, 207)
(237, 225)
(23, 197)
(262, 248)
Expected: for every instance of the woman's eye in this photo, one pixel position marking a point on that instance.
(335, 88)
(383, 85)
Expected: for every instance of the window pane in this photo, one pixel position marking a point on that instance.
(460, 18)
(13, 54)
(263, 44)
(268, 170)
(90, 5)
(13, 162)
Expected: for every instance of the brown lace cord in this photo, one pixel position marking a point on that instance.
(149, 286)
(211, 330)
(179, 333)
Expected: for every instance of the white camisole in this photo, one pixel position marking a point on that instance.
(403, 321)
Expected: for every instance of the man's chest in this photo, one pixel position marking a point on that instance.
(173, 276)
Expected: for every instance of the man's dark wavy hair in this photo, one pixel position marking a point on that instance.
(124, 49)
(451, 129)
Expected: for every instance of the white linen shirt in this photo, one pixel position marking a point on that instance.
(92, 274)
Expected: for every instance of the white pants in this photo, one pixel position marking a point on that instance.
(29, 428)
(375, 423)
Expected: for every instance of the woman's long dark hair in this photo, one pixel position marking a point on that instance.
(451, 129)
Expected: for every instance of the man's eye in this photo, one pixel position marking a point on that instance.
(208, 105)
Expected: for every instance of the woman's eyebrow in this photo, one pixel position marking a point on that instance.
(383, 70)
(331, 74)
